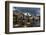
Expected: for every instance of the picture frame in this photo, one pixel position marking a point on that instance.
(32, 9)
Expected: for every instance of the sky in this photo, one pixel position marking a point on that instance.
(32, 11)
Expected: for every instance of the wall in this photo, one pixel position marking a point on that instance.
(2, 16)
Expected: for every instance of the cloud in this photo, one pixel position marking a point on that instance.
(33, 11)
